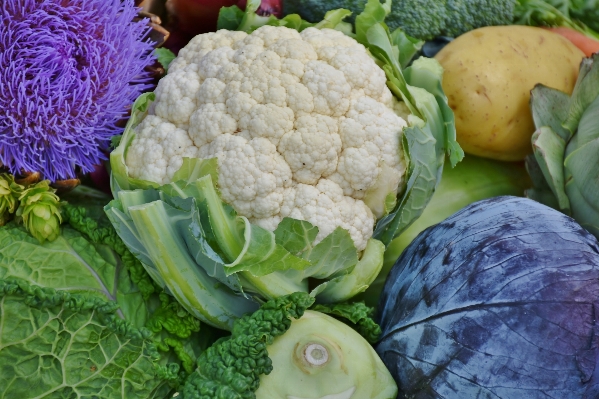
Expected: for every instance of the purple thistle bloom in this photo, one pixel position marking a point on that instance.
(69, 71)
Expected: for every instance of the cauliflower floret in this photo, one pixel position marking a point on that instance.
(176, 96)
(369, 138)
(312, 149)
(328, 87)
(303, 125)
(158, 149)
(325, 206)
(201, 45)
(252, 174)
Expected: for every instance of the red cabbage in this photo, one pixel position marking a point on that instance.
(497, 301)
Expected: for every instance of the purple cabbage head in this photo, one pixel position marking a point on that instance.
(499, 300)
(69, 71)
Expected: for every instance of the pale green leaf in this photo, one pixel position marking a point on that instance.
(549, 149)
(295, 235)
(348, 285)
(335, 254)
(550, 108)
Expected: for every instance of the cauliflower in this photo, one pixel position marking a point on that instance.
(303, 126)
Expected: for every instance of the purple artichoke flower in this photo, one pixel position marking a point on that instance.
(69, 71)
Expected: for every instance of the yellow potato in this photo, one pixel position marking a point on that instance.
(489, 73)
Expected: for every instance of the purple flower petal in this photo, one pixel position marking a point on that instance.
(69, 71)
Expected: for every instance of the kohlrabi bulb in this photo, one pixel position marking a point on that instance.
(319, 357)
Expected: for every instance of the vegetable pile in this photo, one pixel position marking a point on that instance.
(291, 166)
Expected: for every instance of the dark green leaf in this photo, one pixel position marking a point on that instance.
(357, 314)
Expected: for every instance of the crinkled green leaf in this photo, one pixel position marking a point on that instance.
(73, 319)
(549, 149)
(83, 267)
(67, 345)
(357, 315)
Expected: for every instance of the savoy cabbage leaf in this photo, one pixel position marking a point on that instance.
(80, 317)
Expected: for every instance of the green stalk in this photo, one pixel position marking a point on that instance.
(188, 282)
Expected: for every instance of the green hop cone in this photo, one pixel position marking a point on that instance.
(39, 209)
(9, 192)
(565, 165)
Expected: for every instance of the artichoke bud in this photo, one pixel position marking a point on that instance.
(39, 210)
(9, 192)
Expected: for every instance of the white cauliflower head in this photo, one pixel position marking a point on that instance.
(303, 126)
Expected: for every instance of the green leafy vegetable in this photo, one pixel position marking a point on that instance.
(81, 318)
(566, 144)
